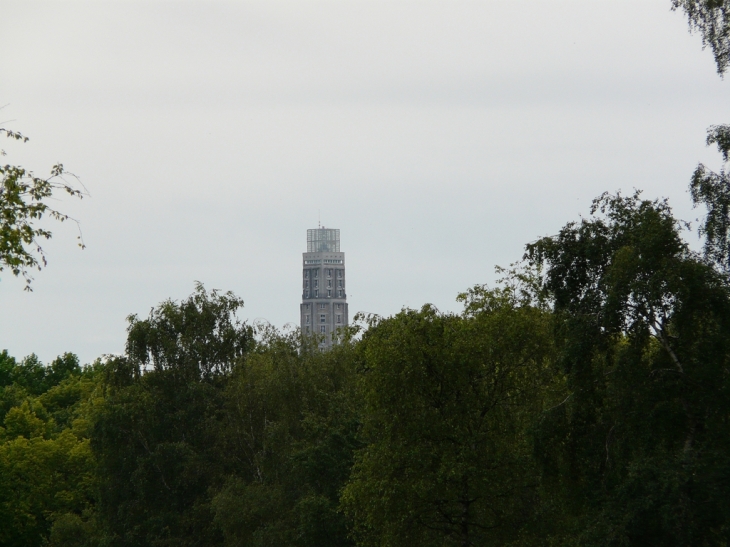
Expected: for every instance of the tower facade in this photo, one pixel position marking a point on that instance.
(324, 300)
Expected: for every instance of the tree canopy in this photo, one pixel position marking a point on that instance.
(643, 327)
(583, 400)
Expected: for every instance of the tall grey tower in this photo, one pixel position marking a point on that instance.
(324, 301)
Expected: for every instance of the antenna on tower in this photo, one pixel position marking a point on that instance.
(319, 219)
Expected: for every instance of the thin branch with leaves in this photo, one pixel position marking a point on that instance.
(23, 204)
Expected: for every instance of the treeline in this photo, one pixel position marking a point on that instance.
(583, 401)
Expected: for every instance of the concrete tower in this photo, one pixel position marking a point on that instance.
(324, 300)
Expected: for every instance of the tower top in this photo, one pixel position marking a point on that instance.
(323, 240)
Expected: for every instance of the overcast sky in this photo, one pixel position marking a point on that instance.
(440, 137)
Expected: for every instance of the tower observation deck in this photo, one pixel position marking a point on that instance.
(324, 301)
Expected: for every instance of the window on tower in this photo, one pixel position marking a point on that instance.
(341, 293)
(323, 329)
(306, 319)
(329, 293)
(339, 318)
(316, 293)
(329, 283)
(323, 318)
(339, 274)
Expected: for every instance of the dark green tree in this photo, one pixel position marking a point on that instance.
(208, 437)
(33, 376)
(639, 450)
(156, 436)
(291, 419)
(448, 403)
(7, 365)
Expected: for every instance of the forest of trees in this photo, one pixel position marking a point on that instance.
(583, 400)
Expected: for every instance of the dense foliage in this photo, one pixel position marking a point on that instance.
(643, 327)
(584, 401)
(448, 403)
(48, 472)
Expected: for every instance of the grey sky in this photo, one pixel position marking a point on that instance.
(440, 137)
